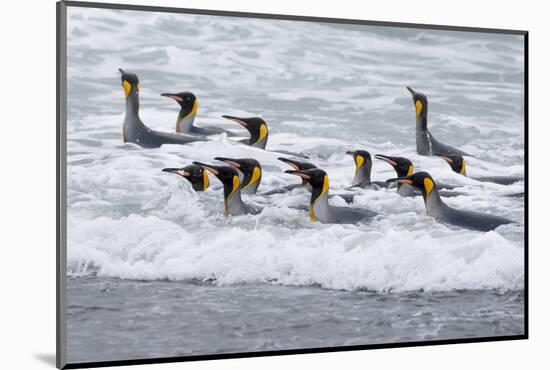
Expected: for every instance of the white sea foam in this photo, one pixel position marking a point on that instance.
(323, 89)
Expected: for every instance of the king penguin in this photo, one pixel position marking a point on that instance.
(257, 129)
(259, 134)
(134, 130)
(458, 165)
(404, 167)
(229, 177)
(319, 208)
(437, 209)
(426, 144)
(297, 165)
(189, 105)
(363, 168)
(195, 174)
(251, 170)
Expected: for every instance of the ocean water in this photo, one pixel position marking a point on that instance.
(155, 269)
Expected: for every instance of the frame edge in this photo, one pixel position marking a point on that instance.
(61, 215)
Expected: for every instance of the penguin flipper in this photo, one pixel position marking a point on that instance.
(166, 138)
(346, 215)
(473, 220)
(501, 180)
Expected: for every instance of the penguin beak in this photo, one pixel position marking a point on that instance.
(402, 180)
(299, 173)
(229, 161)
(236, 119)
(172, 96)
(444, 157)
(176, 171)
(289, 162)
(386, 159)
(350, 153)
(212, 169)
(411, 90)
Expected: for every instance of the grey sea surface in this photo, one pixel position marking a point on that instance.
(155, 270)
(143, 319)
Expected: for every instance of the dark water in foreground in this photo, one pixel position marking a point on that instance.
(110, 319)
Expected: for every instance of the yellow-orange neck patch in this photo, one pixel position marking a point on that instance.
(428, 185)
(127, 87)
(263, 132)
(205, 181)
(359, 160)
(418, 106)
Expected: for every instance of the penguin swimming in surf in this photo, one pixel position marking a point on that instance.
(404, 167)
(189, 105)
(193, 173)
(251, 170)
(297, 165)
(229, 177)
(426, 144)
(437, 209)
(257, 129)
(319, 208)
(363, 167)
(259, 134)
(134, 130)
(458, 165)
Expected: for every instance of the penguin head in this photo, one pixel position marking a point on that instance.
(420, 180)
(251, 169)
(456, 161)
(316, 177)
(228, 176)
(362, 159)
(130, 83)
(402, 166)
(255, 125)
(420, 103)
(195, 174)
(296, 164)
(186, 100)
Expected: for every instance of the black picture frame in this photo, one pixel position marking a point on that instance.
(61, 185)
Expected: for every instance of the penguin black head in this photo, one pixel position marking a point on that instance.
(195, 174)
(130, 82)
(257, 128)
(251, 169)
(297, 165)
(402, 166)
(316, 177)
(420, 180)
(420, 103)
(228, 176)
(456, 161)
(361, 158)
(187, 101)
